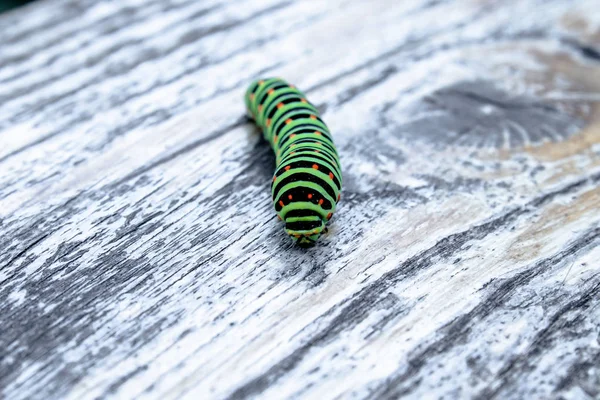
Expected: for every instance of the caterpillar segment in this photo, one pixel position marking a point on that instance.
(307, 181)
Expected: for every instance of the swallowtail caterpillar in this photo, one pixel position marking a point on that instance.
(307, 182)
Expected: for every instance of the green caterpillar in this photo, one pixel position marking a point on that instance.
(307, 182)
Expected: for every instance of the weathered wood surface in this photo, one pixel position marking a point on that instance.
(140, 256)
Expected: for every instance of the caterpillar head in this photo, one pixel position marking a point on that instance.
(305, 232)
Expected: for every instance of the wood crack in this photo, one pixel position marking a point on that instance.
(458, 330)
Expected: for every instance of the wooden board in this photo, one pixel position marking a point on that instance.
(140, 256)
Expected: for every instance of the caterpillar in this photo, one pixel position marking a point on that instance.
(307, 181)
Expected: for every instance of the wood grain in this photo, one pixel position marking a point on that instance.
(140, 256)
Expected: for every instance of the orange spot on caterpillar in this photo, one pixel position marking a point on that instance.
(303, 100)
(329, 216)
(274, 178)
(315, 166)
(268, 122)
(280, 105)
(288, 121)
(271, 91)
(289, 196)
(293, 135)
(317, 133)
(261, 82)
(287, 167)
(310, 195)
(320, 201)
(252, 96)
(313, 117)
(279, 218)
(293, 152)
(330, 175)
(339, 197)
(281, 203)
(260, 107)
(275, 139)
(317, 151)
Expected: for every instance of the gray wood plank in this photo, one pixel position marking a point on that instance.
(140, 256)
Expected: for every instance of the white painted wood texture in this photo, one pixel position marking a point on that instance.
(140, 256)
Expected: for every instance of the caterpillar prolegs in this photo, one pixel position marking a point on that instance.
(308, 178)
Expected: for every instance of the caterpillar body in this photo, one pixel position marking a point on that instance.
(307, 181)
